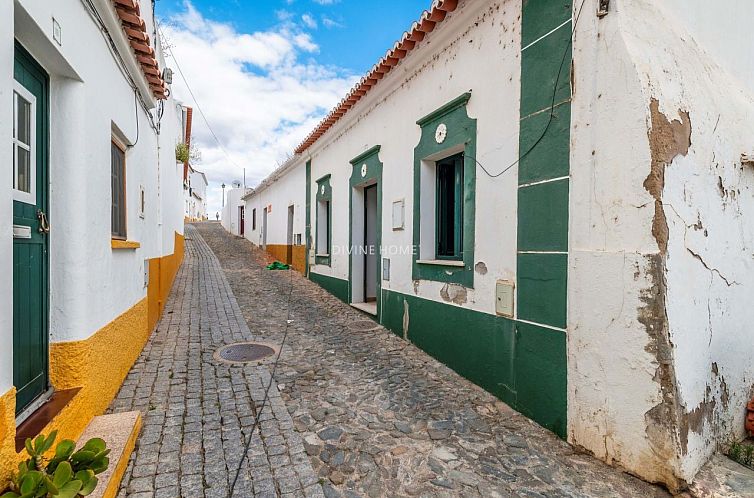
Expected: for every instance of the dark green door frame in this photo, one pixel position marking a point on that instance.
(366, 170)
(31, 253)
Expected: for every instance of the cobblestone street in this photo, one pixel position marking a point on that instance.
(354, 412)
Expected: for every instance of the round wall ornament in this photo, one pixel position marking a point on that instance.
(363, 170)
(441, 133)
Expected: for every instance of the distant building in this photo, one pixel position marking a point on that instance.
(555, 200)
(233, 216)
(195, 196)
(276, 215)
(92, 224)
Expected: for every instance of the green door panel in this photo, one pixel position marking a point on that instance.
(30, 256)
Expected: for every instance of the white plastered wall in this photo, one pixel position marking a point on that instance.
(6, 199)
(658, 306)
(281, 192)
(91, 284)
(442, 68)
(230, 214)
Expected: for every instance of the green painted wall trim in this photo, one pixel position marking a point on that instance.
(543, 216)
(543, 213)
(446, 109)
(308, 214)
(360, 178)
(324, 193)
(335, 286)
(523, 365)
(461, 137)
(365, 155)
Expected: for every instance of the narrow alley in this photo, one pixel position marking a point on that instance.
(355, 410)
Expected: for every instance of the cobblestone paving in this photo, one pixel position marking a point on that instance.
(379, 417)
(197, 412)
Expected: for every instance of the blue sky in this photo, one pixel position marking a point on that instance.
(351, 34)
(266, 72)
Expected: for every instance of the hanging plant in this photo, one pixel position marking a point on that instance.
(182, 153)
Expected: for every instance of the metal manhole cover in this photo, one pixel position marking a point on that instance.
(364, 326)
(245, 352)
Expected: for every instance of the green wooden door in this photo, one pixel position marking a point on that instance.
(30, 229)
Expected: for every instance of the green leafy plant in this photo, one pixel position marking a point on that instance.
(182, 153)
(742, 453)
(68, 473)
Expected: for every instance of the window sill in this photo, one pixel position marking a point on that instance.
(124, 244)
(322, 255)
(441, 262)
(41, 418)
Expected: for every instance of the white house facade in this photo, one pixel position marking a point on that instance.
(92, 224)
(233, 215)
(276, 215)
(195, 195)
(551, 198)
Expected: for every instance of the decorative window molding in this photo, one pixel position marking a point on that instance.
(323, 236)
(446, 132)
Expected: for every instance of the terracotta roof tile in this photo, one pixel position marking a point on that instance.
(408, 42)
(135, 30)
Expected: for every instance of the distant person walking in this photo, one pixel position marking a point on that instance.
(217, 216)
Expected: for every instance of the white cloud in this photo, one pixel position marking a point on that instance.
(309, 21)
(262, 93)
(326, 2)
(329, 22)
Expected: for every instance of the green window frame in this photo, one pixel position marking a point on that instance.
(323, 232)
(447, 135)
(449, 209)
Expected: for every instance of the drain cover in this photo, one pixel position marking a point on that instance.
(245, 352)
(364, 325)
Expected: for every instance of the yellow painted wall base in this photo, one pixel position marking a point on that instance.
(7, 436)
(98, 365)
(162, 272)
(280, 253)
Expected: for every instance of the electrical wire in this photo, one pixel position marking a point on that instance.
(552, 105)
(196, 102)
(136, 107)
(247, 445)
(121, 63)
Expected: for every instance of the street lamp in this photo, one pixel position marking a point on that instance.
(223, 186)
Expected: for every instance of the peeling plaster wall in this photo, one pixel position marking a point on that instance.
(661, 262)
(709, 205)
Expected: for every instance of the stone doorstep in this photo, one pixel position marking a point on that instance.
(119, 431)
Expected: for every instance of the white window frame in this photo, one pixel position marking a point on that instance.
(20, 195)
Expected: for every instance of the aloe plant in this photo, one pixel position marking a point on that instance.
(69, 473)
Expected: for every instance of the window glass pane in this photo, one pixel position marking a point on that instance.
(323, 229)
(446, 209)
(23, 121)
(23, 171)
(118, 217)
